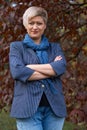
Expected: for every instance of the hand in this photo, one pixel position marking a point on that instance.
(58, 58)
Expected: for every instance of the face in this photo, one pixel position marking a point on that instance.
(36, 27)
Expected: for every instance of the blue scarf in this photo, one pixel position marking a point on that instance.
(41, 51)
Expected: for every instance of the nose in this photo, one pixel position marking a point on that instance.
(35, 26)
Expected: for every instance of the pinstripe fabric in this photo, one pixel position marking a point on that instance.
(27, 94)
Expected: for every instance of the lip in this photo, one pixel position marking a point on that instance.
(34, 32)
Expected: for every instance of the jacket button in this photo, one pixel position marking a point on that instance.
(43, 86)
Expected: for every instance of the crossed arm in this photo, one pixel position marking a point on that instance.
(42, 71)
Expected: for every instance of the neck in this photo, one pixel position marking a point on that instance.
(37, 41)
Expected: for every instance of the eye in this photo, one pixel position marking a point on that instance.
(39, 23)
(31, 23)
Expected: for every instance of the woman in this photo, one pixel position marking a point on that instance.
(36, 66)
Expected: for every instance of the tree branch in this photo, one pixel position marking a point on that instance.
(69, 30)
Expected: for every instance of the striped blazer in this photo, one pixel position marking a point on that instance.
(27, 94)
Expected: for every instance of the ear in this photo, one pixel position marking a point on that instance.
(45, 26)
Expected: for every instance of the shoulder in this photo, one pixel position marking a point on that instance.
(18, 45)
(55, 45)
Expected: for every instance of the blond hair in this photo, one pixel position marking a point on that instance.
(32, 12)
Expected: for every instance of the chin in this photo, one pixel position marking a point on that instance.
(35, 37)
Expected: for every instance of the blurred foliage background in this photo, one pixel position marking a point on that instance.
(67, 24)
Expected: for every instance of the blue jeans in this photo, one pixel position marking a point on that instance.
(43, 119)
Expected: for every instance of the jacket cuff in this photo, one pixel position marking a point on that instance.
(58, 67)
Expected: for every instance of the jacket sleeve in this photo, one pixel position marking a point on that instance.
(59, 66)
(17, 68)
